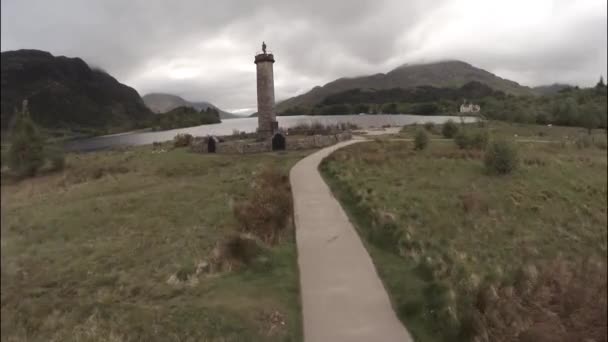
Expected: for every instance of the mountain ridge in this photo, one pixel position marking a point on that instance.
(65, 92)
(450, 73)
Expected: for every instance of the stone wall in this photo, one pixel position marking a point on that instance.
(199, 145)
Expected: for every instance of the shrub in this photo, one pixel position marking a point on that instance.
(449, 129)
(421, 140)
(241, 248)
(463, 140)
(480, 140)
(25, 154)
(501, 158)
(429, 126)
(182, 139)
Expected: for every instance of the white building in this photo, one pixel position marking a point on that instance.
(469, 108)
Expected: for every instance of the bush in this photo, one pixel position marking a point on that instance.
(449, 129)
(243, 248)
(429, 126)
(25, 154)
(266, 212)
(182, 139)
(480, 140)
(421, 140)
(501, 158)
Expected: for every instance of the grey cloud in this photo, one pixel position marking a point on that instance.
(153, 45)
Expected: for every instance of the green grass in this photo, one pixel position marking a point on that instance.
(438, 227)
(86, 253)
(509, 130)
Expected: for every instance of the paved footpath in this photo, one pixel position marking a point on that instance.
(343, 299)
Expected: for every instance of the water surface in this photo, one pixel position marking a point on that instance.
(249, 125)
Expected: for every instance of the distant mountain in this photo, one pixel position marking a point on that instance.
(440, 74)
(66, 93)
(162, 103)
(550, 89)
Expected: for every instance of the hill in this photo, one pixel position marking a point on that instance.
(440, 74)
(161, 103)
(65, 93)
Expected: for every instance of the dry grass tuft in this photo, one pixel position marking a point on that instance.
(182, 140)
(268, 210)
(473, 202)
(563, 301)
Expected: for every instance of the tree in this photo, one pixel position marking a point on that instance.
(336, 109)
(25, 155)
(601, 83)
(389, 108)
(566, 112)
(590, 116)
(361, 108)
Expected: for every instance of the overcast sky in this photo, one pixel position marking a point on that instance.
(203, 50)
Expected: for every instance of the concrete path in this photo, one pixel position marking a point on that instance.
(343, 299)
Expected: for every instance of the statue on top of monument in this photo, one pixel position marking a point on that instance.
(264, 47)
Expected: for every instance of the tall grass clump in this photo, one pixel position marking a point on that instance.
(449, 129)
(557, 301)
(267, 210)
(501, 158)
(429, 126)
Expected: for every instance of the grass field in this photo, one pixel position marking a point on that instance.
(515, 131)
(443, 234)
(87, 253)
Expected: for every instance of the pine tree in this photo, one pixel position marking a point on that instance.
(601, 83)
(25, 155)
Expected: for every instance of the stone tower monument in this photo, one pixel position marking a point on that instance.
(267, 123)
